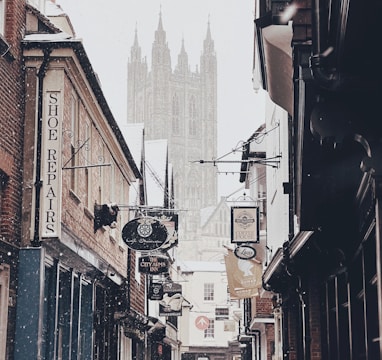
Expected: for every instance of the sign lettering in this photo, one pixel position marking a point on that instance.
(51, 166)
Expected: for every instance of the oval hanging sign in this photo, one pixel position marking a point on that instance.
(144, 234)
(245, 252)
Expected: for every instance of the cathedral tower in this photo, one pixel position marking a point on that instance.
(179, 105)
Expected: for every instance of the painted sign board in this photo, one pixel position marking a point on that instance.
(153, 264)
(171, 304)
(245, 252)
(144, 234)
(51, 165)
(155, 291)
(245, 227)
(202, 322)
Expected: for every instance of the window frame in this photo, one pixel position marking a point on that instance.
(209, 291)
(209, 333)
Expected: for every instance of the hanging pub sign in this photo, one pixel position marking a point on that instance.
(153, 264)
(245, 252)
(155, 291)
(171, 224)
(245, 225)
(144, 234)
(171, 304)
(170, 221)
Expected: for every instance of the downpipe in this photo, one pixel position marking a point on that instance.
(333, 79)
(36, 242)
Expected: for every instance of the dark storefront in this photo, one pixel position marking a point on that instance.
(328, 273)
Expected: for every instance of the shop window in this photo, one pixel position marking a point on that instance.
(86, 321)
(68, 315)
(64, 316)
(104, 325)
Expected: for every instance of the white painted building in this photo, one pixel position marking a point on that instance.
(208, 326)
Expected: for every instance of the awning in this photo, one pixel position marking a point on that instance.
(274, 274)
(275, 55)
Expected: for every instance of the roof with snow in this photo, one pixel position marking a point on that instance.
(201, 266)
(134, 136)
(156, 171)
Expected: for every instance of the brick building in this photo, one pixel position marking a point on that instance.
(12, 15)
(63, 181)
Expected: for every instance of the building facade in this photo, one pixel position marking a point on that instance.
(209, 328)
(179, 105)
(314, 62)
(12, 25)
(77, 294)
(262, 164)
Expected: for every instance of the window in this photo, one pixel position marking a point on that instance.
(192, 114)
(74, 142)
(2, 16)
(101, 173)
(175, 115)
(208, 292)
(68, 314)
(87, 148)
(210, 331)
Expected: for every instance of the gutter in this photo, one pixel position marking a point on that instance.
(38, 182)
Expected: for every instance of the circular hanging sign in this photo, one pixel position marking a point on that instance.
(202, 322)
(144, 234)
(245, 252)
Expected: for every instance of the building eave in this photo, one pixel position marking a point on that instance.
(78, 48)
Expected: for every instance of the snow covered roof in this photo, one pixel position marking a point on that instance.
(201, 266)
(156, 171)
(133, 134)
(205, 214)
(61, 36)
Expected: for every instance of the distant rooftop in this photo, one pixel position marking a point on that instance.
(201, 266)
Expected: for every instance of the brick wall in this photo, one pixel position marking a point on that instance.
(11, 122)
(315, 319)
(11, 144)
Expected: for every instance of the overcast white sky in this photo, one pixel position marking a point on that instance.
(108, 27)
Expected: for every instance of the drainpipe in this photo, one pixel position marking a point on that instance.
(330, 80)
(128, 284)
(304, 323)
(38, 181)
(258, 350)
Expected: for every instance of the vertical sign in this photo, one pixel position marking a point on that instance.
(245, 225)
(51, 165)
